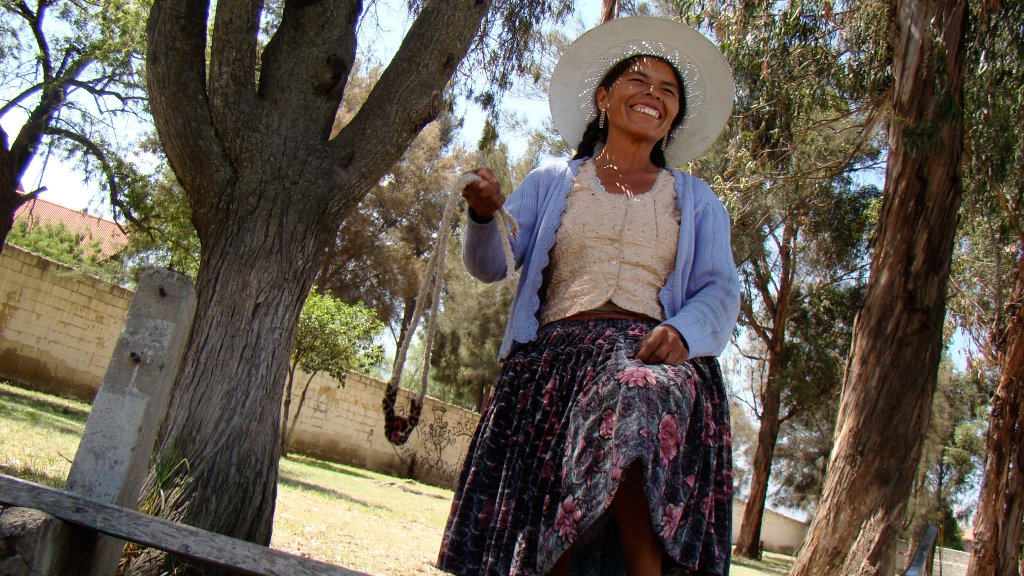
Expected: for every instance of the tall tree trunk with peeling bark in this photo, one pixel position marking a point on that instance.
(1000, 517)
(897, 342)
(748, 543)
(268, 190)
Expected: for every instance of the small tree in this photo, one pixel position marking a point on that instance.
(331, 337)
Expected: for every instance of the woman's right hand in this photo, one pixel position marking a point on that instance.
(484, 197)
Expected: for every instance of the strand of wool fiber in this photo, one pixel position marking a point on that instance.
(433, 280)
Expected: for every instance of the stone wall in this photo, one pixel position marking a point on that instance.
(345, 423)
(57, 327)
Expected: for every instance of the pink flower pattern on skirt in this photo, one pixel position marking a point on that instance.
(668, 437)
(567, 415)
(637, 376)
(670, 521)
(607, 423)
(566, 518)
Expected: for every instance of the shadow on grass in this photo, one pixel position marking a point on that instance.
(32, 475)
(299, 484)
(55, 405)
(329, 466)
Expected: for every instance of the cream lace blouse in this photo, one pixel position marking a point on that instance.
(612, 252)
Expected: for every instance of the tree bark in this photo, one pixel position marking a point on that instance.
(268, 191)
(749, 540)
(609, 10)
(998, 523)
(897, 343)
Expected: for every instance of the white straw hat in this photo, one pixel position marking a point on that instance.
(706, 75)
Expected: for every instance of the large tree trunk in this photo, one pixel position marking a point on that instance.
(749, 540)
(225, 412)
(268, 191)
(897, 342)
(998, 523)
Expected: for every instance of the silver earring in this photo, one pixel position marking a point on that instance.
(600, 120)
(664, 142)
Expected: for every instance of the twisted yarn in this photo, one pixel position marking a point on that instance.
(398, 428)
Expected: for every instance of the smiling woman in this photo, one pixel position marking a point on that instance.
(641, 94)
(605, 446)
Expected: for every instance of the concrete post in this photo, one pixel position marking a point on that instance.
(116, 448)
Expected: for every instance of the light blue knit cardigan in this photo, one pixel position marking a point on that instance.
(701, 297)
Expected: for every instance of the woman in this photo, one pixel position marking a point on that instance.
(605, 447)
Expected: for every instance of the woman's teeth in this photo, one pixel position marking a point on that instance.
(646, 110)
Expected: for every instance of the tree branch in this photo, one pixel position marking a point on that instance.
(20, 98)
(305, 68)
(232, 84)
(115, 188)
(35, 22)
(407, 96)
(176, 74)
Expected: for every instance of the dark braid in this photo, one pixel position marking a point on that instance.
(592, 135)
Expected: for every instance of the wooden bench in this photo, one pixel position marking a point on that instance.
(187, 541)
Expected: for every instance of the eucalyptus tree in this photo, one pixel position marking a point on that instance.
(989, 303)
(897, 344)
(248, 135)
(803, 125)
(70, 73)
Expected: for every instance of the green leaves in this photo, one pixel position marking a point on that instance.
(334, 337)
(71, 75)
(53, 240)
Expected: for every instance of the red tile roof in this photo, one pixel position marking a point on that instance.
(112, 238)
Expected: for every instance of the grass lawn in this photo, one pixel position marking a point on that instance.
(335, 513)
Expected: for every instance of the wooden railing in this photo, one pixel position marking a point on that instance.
(186, 541)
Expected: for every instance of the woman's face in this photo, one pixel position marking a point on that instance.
(643, 100)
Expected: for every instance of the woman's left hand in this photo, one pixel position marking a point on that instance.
(663, 345)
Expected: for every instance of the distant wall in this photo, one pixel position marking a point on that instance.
(57, 327)
(779, 533)
(346, 424)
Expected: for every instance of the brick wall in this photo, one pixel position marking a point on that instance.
(345, 423)
(57, 327)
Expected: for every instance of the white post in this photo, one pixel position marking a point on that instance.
(116, 448)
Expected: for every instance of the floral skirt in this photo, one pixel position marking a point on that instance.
(569, 412)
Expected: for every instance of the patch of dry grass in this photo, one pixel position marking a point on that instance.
(359, 519)
(770, 563)
(39, 434)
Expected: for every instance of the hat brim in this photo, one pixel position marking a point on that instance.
(709, 87)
